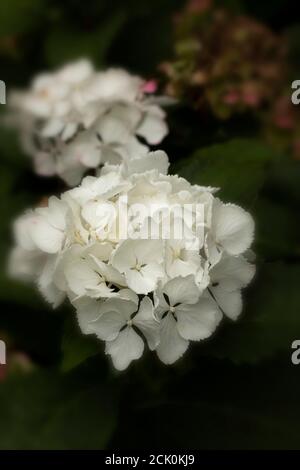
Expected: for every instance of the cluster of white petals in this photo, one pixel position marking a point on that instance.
(133, 291)
(76, 119)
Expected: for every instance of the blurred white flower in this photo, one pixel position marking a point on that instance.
(119, 247)
(77, 118)
(44, 228)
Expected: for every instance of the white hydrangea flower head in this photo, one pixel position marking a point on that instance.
(145, 258)
(76, 119)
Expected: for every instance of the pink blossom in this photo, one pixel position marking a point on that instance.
(232, 97)
(150, 86)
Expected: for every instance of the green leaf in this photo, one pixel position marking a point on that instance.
(270, 321)
(19, 16)
(77, 347)
(20, 293)
(85, 421)
(10, 150)
(277, 230)
(235, 6)
(237, 167)
(283, 182)
(218, 405)
(66, 44)
(50, 411)
(293, 34)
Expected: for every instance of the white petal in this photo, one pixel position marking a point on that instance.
(52, 128)
(69, 131)
(25, 265)
(232, 272)
(182, 290)
(147, 323)
(114, 313)
(172, 346)
(109, 273)
(81, 277)
(115, 85)
(91, 157)
(44, 164)
(132, 252)
(212, 250)
(63, 260)
(107, 186)
(233, 227)
(124, 257)
(76, 72)
(112, 129)
(202, 277)
(160, 304)
(127, 112)
(139, 283)
(110, 155)
(46, 237)
(48, 270)
(55, 212)
(198, 321)
(123, 306)
(72, 175)
(230, 302)
(99, 251)
(101, 291)
(127, 347)
(158, 160)
(128, 294)
(87, 311)
(179, 267)
(153, 127)
(99, 214)
(108, 325)
(52, 294)
(148, 251)
(132, 149)
(22, 231)
(84, 150)
(153, 272)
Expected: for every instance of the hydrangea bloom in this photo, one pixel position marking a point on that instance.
(130, 285)
(76, 119)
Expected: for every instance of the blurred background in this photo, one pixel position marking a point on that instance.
(230, 65)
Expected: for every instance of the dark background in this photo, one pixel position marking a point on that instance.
(237, 390)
